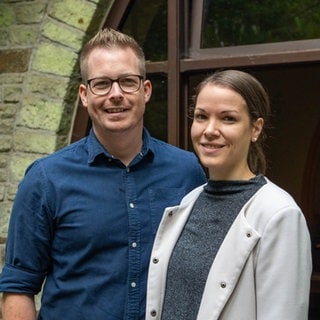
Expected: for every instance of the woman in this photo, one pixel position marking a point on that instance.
(237, 248)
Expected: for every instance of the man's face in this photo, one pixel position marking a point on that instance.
(116, 111)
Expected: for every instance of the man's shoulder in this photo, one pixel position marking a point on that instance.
(72, 151)
(163, 146)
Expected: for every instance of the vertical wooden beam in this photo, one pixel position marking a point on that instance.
(174, 44)
(184, 86)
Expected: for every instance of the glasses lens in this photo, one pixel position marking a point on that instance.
(130, 83)
(100, 86)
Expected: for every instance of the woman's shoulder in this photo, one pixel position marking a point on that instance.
(271, 203)
(274, 195)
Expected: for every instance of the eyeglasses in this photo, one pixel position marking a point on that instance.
(127, 83)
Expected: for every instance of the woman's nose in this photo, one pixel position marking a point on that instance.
(212, 129)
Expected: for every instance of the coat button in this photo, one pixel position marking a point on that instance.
(248, 234)
(153, 313)
(155, 260)
(223, 285)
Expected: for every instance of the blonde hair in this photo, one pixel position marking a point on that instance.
(110, 38)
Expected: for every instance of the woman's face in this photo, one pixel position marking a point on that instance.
(222, 131)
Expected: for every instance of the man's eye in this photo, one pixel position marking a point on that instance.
(101, 84)
(128, 82)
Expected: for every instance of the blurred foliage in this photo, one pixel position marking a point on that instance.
(240, 22)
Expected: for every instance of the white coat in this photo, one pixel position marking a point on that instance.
(262, 270)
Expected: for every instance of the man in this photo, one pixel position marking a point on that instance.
(84, 218)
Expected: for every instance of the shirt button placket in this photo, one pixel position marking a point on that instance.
(134, 253)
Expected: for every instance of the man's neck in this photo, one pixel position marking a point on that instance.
(122, 145)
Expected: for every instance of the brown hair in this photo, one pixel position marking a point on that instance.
(258, 106)
(110, 38)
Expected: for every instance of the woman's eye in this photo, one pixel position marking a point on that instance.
(229, 119)
(200, 117)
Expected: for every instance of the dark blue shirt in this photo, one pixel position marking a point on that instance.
(84, 223)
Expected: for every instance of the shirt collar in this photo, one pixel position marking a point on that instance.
(96, 149)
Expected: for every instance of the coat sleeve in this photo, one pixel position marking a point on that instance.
(283, 267)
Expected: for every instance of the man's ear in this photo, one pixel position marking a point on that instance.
(83, 94)
(147, 90)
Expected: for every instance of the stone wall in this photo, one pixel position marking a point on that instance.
(40, 41)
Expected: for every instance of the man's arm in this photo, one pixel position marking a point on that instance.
(18, 307)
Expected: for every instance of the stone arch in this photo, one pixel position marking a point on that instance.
(40, 42)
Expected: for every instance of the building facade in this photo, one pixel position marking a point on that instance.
(184, 40)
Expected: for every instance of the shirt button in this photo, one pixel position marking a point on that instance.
(128, 169)
(248, 234)
(134, 244)
(131, 205)
(155, 260)
(133, 284)
(153, 313)
(223, 285)
(170, 214)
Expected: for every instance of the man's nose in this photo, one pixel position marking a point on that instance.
(115, 90)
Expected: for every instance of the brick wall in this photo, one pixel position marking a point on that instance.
(40, 41)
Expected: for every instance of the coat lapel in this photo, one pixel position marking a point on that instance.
(225, 272)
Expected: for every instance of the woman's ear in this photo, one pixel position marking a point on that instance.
(256, 129)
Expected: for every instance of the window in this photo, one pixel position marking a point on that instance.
(151, 33)
(234, 22)
(276, 40)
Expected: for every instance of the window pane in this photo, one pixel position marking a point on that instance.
(238, 22)
(292, 113)
(147, 23)
(155, 118)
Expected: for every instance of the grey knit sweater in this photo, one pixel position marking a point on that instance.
(210, 219)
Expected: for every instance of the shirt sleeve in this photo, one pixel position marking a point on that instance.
(30, 230)
(284, 267)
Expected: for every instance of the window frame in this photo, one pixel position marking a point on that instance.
(184, 59)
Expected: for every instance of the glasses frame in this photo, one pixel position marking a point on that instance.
(117, 81)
